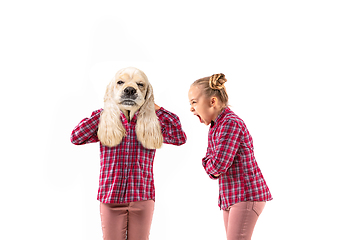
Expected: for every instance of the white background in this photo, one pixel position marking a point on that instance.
(281, 62)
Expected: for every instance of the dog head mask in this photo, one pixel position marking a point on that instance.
(129, 92)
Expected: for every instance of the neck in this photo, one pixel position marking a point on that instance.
(128, 114)
(218, 111)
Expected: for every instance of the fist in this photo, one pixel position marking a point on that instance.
(156, 107)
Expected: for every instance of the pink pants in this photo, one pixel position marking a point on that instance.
(131, 219)
(240, 219)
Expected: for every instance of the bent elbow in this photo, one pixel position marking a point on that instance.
(183, 140)
(75, 140)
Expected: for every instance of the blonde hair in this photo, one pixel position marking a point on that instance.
(213, 86)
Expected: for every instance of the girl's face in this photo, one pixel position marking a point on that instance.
(202, 106)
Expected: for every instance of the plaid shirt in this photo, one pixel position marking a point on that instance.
(230, 154)
(126, 172)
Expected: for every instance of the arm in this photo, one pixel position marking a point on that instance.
(217, 162)
(86, 130)
(170, 127)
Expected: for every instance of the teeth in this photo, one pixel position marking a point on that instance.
(128, 102)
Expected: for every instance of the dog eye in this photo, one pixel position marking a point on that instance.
(120, 82)
(140, 84)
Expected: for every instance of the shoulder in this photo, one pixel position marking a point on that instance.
(231, 117)
(231, 122)
(162, 113)
(96, 112)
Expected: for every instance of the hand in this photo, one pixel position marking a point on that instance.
(216, 175)
(156, 107)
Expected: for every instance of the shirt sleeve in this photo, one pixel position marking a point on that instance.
(227, 144)
(86, 130)
(171, 127)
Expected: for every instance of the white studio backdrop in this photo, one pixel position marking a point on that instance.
(281, 62)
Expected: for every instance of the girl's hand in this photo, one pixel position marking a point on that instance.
(216, 175)
(156, 107)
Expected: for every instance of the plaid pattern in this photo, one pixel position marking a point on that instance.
(126, 172)
(230, 154)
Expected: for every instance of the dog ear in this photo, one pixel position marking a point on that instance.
(148, 128)
(110, 131)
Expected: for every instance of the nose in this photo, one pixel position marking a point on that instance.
(130, 91)
(192, 109)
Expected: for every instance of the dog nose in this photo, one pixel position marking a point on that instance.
(130, 91)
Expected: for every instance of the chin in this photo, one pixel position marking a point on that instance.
(129, 106)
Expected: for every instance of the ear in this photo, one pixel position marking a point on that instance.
(214, 101)
(110, 131)
(148, 128)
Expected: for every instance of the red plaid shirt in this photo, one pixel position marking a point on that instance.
(230, 154)
(126, 173)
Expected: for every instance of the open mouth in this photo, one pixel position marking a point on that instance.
(200, 118)
(128, 102)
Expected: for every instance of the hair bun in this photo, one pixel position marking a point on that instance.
(217, 81)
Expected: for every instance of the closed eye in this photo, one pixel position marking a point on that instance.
(140, 84)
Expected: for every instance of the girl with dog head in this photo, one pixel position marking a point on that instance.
(129, 128)
(242, 189)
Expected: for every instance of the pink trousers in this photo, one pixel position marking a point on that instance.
(130, 221)
(240, 219)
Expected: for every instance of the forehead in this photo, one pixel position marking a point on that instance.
(195, 92)
(131, 77)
